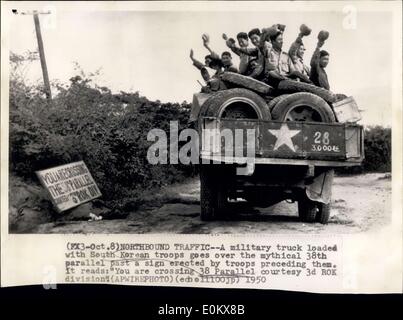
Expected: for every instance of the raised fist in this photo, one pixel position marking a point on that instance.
(323, 36)
(305, 31)
(224, 36)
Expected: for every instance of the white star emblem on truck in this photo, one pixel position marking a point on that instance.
(284, 135)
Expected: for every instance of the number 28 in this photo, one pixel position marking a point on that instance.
(325, 137)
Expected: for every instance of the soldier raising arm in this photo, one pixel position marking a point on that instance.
(319, 61)
(277, 67)
(225, 58)
(298, 69)
(202, 67)
(254, 36)
(243, 42)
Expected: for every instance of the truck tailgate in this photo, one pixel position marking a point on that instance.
(334, 143)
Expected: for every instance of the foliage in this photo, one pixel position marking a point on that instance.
(86, 122)
(378, 151)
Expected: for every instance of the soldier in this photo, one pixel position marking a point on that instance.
(319, 61)
(202, 67)
(213, 82)
(243, 42)
(253, 64)
(259, 52)
(298, 69)
(276, 64)
(226, 58)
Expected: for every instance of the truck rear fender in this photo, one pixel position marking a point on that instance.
(320, 189)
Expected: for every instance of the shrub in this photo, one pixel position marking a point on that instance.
(85, 122)
(378, 151)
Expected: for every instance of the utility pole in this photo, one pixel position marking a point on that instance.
(41, 50)
(42, 56)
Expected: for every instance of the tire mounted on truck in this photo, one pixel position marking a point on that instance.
(305, 106)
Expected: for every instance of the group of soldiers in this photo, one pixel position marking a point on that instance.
(265, 60)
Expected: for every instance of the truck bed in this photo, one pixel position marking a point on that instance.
(288, 143)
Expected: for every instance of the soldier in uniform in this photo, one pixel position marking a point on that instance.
(298, 69)
(213, 82)
(202, 67)
(258, 52)
(243, 42)
(277, 61)
(226, 58)
(319, 62)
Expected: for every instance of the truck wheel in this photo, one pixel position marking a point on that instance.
(213, 195)
(291, 86)
(307, 210)
(323, 213)
(276, 100)
(228, 103)
(303, 106)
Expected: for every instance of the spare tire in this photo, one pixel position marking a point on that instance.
(236, 103)
(243, 81)
(303, 106)
(276, 100)
(291, 86)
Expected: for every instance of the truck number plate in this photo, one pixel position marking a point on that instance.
(322, 142)
(324, 139)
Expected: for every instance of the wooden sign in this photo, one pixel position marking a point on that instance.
(69, 185)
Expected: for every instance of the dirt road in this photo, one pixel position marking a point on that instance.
(360, 203)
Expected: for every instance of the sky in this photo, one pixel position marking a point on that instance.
(148, 51)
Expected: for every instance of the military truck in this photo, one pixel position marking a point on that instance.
(300, 134)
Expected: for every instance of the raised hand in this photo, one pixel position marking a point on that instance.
(191, 54)
(304, 30)
(206, 38)
(224, 36)
(323, 36)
